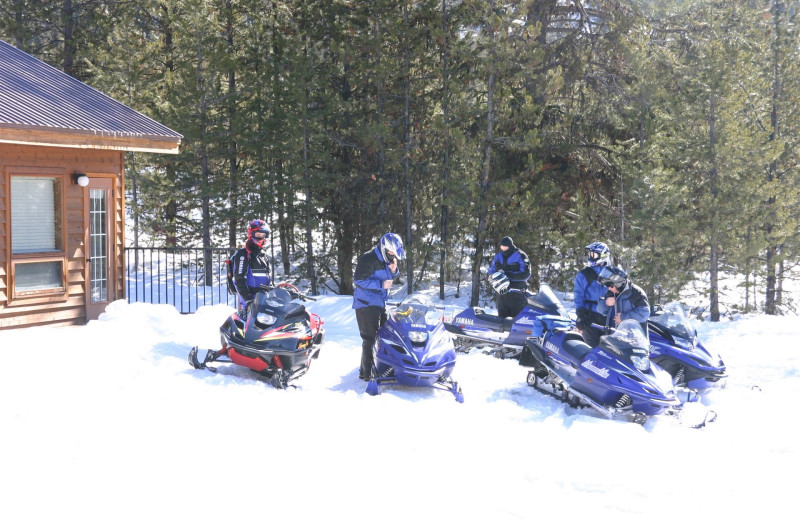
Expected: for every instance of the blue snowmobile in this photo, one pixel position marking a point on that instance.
(675, 347)
(413, 349)
(616, 378)
(474, 328)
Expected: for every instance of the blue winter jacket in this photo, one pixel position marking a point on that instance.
(586, 294)
(632, 303)
(371, 272)
(516, 266)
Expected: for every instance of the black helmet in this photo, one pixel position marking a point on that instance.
(613, 277)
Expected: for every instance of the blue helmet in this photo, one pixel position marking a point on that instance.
(598, 254)
(391, 245)
(613, 277)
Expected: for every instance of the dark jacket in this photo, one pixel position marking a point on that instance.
(514, 262)
(371, 272)
(632, 303)
(250, 267)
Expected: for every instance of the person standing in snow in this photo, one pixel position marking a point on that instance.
(587, 292)
(624, 300)
(250, 264)
(375, 272)
(514, 263)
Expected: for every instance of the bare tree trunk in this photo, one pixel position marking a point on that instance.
(233, 164)
(379, 121)
(407, 158)
(770, 303)
(171, 206)
(487, 161)
(482, 201)
(779, 286)
(68, 16)
(310, 272)
(714, 240)
(446, 161)
(205, 173)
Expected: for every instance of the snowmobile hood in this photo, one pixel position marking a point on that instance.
(415, 336)
(272, 321)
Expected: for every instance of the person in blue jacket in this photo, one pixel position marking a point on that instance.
(514, 263)
(624, 299)
(250, 264)
(375, 272)
(587, 292)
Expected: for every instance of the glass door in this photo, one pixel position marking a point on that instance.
(99, 282)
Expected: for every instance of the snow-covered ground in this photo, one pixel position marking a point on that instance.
(108, 420)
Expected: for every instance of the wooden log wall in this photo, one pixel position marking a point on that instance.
(71, 310)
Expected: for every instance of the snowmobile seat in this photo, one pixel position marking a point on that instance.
(494, 319)
(577, 348)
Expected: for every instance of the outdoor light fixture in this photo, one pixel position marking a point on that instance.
(80, 179)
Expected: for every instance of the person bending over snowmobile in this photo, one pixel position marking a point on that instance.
(623, 300)
(514, 263)
(250, 264)
(375, 272)
(587, 291)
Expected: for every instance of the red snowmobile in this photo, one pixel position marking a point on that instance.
(273, 335)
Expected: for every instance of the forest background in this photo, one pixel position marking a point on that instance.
(667, 129)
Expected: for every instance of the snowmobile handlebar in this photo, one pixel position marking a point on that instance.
(604, 328)
(293, 291)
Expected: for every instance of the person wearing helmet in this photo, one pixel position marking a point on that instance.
(624, 300)
(375, 272)
(250, 264)
(587, 292)
(514, 263)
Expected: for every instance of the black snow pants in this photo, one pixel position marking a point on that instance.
(510, 304)
(369, 319)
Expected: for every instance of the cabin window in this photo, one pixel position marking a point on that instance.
(37, 248)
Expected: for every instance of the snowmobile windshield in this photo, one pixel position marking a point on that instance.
(418, 310)
(674, 320)
(274, 299)
(629, 343)
(546, 300)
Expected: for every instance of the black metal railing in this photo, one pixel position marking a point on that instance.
(185, 277)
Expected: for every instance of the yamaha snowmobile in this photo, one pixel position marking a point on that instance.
(505, 337)
(616, 378)
(413, 349)
(273, 335)
(675, 347)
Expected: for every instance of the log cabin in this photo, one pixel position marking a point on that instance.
(62, 192)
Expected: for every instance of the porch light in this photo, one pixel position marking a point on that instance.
(80, 179)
